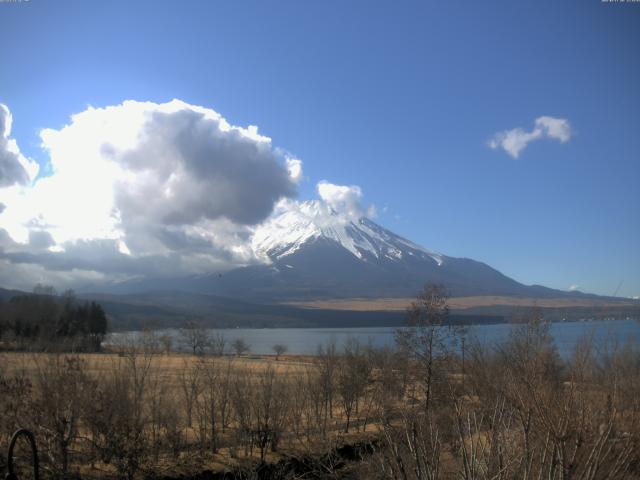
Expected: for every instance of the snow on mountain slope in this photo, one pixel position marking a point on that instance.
(313, 220)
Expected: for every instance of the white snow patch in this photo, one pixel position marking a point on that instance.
(287, 233)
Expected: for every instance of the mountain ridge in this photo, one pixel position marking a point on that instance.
(311, 252)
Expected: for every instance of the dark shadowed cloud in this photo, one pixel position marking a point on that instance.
(14, 167)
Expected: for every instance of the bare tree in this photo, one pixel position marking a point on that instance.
(166, 341)
(428, 336)
(150, 341)
(279, 349)
(270, 408)
(195, 337)
(160, 409)
(241, 396)
(327, 363)
(240, 346)
(116, 413)
(353, 377)
(218, 344)
(212, 403)
(190, 380)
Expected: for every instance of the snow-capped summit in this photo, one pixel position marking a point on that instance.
(313, 221)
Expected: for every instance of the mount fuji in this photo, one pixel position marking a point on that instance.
(312, 252)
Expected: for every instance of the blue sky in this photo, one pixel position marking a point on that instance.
(399, 98)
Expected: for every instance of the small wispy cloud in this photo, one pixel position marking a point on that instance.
(514, 141)
(294, 167)
(345, 200)
(574, 287)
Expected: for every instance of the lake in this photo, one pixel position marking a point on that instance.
(305, 341)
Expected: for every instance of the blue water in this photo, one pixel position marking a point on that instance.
(305, 341)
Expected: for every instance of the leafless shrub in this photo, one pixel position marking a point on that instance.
(166, 342)
(260, 408)
(212, 403)
(411, 448)
(16, 390)
(163, 428)
(327, 360)
(218, 344)
(57, 407)
(117, 416)
(550, 419)
(190, 385)
(354, 375)
(391, 375)
(270, 409)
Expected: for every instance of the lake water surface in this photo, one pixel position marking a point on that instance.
(305, 341)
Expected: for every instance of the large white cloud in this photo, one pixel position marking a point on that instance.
(514, 141)
(15, 168)
(141, 189)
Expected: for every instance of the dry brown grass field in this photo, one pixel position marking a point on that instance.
(459, 303)
(169, 364)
